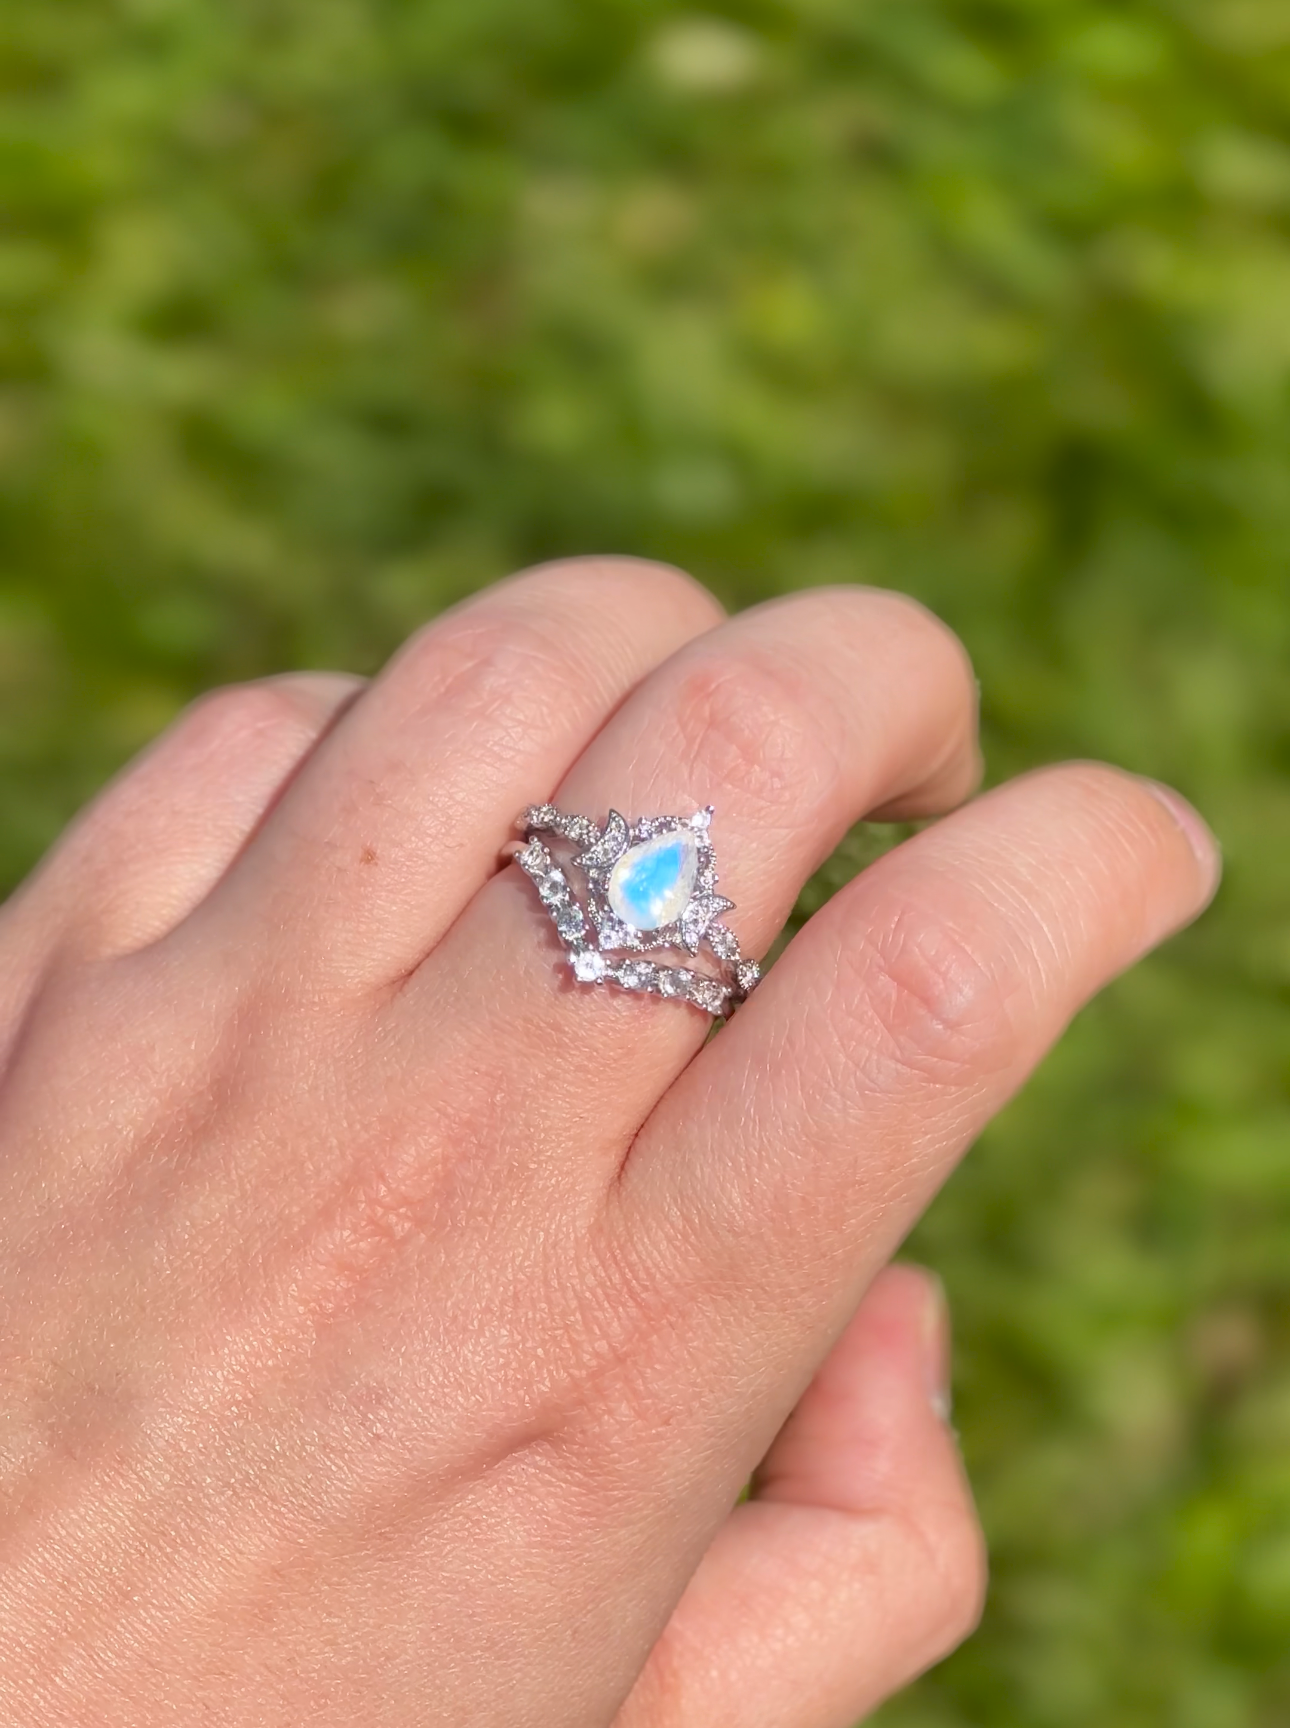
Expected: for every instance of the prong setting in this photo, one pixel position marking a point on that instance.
(629, 866)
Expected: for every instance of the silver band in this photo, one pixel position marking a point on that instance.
(683, 913)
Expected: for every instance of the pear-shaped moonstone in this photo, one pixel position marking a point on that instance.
(651, 884)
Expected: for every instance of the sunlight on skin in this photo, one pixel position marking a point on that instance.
(390, 1321)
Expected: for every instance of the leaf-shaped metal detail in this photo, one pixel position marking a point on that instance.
(609, 848)
(698, 915)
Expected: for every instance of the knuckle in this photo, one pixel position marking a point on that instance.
(600, 580)
(907, 616)
(910, 632)
(319, 695)
(956, 1574)
(929, 1004)
(381, 1206)
(752, 724)
(503, 662)
(479, 656)
(927, 657)
(239, 715)
(491, 677)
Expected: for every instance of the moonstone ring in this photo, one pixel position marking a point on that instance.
(650, 884)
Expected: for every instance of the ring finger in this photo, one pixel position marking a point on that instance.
(794, 720)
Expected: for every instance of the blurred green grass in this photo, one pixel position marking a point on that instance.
(316, 314)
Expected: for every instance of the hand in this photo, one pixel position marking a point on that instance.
(388, 1324)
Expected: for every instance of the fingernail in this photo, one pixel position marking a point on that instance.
(936, 1347)
(1200, 836)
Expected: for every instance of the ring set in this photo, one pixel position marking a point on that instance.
(651, 885)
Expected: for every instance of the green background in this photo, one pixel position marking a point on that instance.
(318, 313)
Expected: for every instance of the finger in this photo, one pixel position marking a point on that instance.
(159, 836)
(896, 1023)
(399, 819)
(793, 719)
(857, 1563)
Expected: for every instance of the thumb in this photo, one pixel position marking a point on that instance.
(857, 1562)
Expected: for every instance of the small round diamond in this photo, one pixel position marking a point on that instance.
(615, 935)
(709, 993)
(723, 942)
(589, 967)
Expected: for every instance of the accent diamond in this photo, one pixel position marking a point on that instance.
(709, 993)
(747, 975)
(570, 923)
(723, 942)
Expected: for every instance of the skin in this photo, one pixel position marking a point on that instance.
(387, 1325)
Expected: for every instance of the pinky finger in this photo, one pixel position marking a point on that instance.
(857, 1563)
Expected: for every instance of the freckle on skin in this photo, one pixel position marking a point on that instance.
(368, 855)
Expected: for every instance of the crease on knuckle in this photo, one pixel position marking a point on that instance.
(237, 716)
(929, 1004)
(498, 676)
(750, 724)
(601, 578)
(390, 1197)
(947, 1539)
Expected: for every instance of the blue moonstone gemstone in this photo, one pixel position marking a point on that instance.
(651, 884)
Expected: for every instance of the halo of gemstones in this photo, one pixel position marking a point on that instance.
(603, 947)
